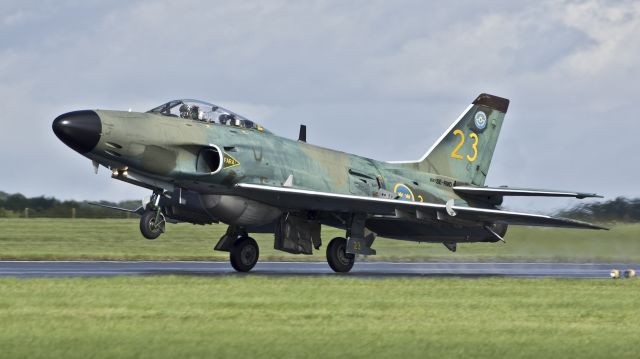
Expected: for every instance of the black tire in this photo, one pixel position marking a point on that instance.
(244, 254)
(148, 226)
(337, 257)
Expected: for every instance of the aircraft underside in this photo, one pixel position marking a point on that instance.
(433, 232)
(299, 232)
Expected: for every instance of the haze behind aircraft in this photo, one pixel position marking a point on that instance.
(205, 164)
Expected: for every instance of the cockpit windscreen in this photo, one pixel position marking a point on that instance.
(204, 112)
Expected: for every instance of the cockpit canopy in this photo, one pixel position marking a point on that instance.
(204, 112)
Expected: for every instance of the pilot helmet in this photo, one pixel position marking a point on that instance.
(194, 112)
(184, 111)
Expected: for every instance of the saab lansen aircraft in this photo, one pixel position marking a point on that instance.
(205, 164)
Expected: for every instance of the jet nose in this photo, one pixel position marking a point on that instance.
(79, 130)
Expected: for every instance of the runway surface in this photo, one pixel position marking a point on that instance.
(26, 269)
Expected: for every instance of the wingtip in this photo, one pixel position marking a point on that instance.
(585, 225)
(595, 226)
(588, 195)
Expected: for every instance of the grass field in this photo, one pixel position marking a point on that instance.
(253, 316)
(246, 316)
(42, 239)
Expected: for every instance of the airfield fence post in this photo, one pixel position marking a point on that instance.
(26, 212)
(73, 213)
(128, 215)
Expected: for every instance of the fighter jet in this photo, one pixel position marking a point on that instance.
(205, 164)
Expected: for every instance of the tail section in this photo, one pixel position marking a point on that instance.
(465, 150)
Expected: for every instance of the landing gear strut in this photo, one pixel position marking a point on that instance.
(337, 257)
(244, 254)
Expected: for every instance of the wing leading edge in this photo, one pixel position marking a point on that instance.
(300, 199)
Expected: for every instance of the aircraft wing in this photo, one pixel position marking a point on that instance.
(300, 199)
(513, 191)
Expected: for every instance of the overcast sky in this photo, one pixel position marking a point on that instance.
(382, 79)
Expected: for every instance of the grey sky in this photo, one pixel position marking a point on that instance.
(382, 79)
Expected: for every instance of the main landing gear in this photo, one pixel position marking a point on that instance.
(337, 257)
(298, 237)
(243, 250)
(341, 252)
(244, 254)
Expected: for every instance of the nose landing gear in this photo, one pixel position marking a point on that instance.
(152, 224)
(152, 221)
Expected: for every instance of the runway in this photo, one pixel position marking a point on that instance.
(35, 269)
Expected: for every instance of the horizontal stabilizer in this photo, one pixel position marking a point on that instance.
(512, 191)
(137, 211)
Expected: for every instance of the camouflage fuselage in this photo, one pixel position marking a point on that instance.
(166, 153)
(166, 148)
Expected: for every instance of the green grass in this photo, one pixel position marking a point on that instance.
(240, 316)
(42, 239)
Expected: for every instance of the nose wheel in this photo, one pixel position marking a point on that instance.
(244, 254)
(152, 224)
(337, 257)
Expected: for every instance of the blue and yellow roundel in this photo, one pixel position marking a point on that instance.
(403, 192)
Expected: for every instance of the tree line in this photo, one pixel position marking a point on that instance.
(620, 209)
(18, 206)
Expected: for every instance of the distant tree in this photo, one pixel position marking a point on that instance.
(13, 205)
(42, 203)
(16, 202)
(5, 213)
(620, 209)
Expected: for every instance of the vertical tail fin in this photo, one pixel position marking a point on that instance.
(465, 150)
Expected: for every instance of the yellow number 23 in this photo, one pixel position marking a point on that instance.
(474, 146)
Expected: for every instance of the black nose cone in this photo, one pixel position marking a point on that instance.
(79, 130)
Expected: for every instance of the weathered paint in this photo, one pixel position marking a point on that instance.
(165, 150)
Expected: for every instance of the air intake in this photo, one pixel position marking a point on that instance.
(209, 160)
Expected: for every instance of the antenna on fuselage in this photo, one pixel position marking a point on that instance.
(302, 136)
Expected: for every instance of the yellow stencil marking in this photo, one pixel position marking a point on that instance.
(455, 154)
(229, 161)
(474, 146)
